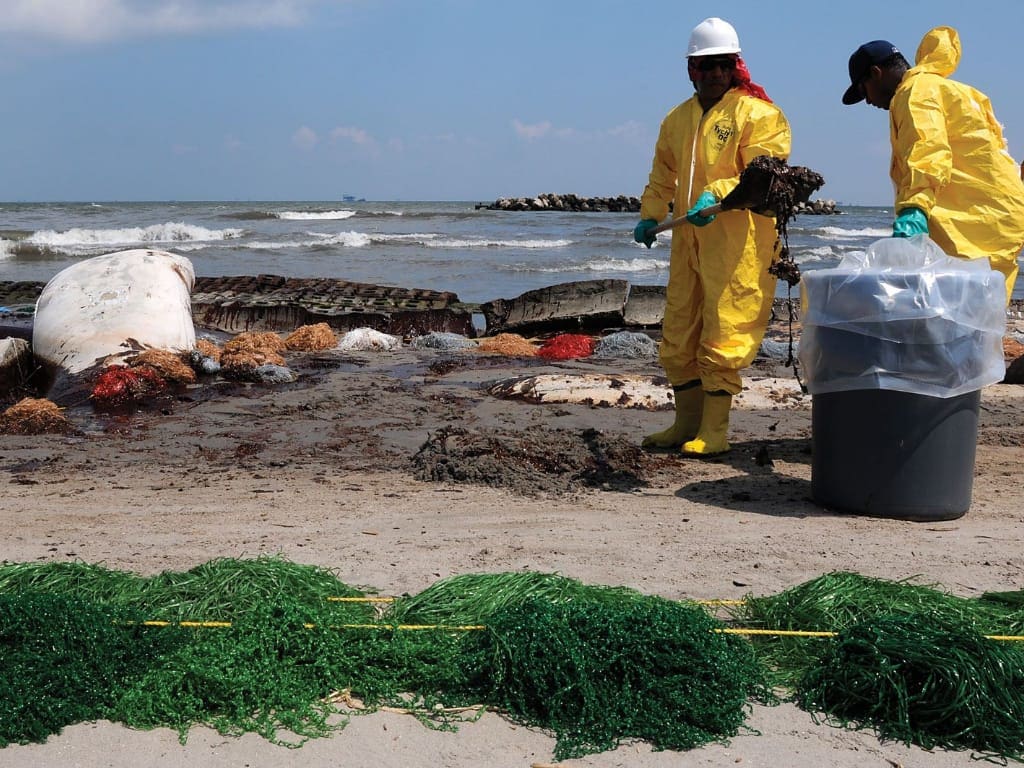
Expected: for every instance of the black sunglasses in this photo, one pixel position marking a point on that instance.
(723, 63)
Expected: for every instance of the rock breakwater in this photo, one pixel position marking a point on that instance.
(570, 202)
(820, 207)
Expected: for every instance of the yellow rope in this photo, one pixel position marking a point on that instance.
(409, 627)
(475, 627)
(776, 632)
(392, 599)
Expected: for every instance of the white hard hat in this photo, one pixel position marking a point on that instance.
(713, 36)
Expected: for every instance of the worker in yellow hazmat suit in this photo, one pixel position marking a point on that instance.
(720, 292)
(955, 180)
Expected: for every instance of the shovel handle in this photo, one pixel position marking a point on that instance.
(711, 210)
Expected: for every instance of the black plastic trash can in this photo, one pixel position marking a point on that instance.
(894, 454)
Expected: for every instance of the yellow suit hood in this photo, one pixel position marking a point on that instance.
(950, 159)
(938, 53)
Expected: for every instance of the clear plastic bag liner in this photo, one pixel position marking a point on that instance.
(905, 316)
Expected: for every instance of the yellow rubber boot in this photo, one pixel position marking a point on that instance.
(714, 426)
(689, 399)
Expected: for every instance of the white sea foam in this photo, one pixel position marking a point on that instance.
(75, 240)
(843, 234)
(816, 254)
(302, 215)
(482, 243)
(626, 265)
(6, 249)
(415, 238)
(430, 240)
(346, 239)
(611, 265)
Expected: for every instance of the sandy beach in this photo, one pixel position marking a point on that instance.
(335, 470)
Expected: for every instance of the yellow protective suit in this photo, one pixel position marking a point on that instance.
(949, 159)
(719, 293)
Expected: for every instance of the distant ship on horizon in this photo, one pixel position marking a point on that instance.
(352, 199)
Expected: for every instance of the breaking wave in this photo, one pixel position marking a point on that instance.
(303, 215)
(88, 240)
(606, 265)
(848, 234)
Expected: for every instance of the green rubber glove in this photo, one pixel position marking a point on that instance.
(706, 200)
(641, 232)
(910, 222)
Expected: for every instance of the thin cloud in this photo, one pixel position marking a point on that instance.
(93, 21)
(355, 135)
(535, 131)
(305, 138)
(630, 130)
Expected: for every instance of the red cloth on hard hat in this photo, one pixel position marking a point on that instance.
(741, 79)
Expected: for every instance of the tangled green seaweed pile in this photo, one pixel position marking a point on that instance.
(291, 653)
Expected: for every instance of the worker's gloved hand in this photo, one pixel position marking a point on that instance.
(910, 222)
(706, 200)
(642, 234)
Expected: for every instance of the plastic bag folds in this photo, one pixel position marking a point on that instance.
(904, 316)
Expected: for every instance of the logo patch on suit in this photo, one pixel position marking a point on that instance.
(722, 131)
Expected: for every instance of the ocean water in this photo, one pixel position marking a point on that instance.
(446, 246)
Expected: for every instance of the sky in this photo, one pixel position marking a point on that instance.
(435, 99)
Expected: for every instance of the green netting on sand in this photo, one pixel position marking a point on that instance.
(609, 662)
(922, 679)
(275, 655)
(272, 673)
(595, 664)
(835, 601)
(218, 590)
(472, 598)
(597, 673)
(64, 660)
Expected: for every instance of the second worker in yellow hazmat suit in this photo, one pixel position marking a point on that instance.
(955, 180)
(720, 292)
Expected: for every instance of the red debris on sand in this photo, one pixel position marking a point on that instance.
(567, 346)
(120, 385)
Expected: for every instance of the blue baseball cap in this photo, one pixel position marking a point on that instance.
(865, 57)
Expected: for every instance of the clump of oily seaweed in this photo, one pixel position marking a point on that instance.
(771, 187)
(170, 365)
(311, 338)
(35, 416)
(247, 351)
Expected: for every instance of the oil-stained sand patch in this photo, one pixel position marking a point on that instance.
(532, 461)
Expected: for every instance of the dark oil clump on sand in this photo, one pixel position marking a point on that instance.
(531, 461)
